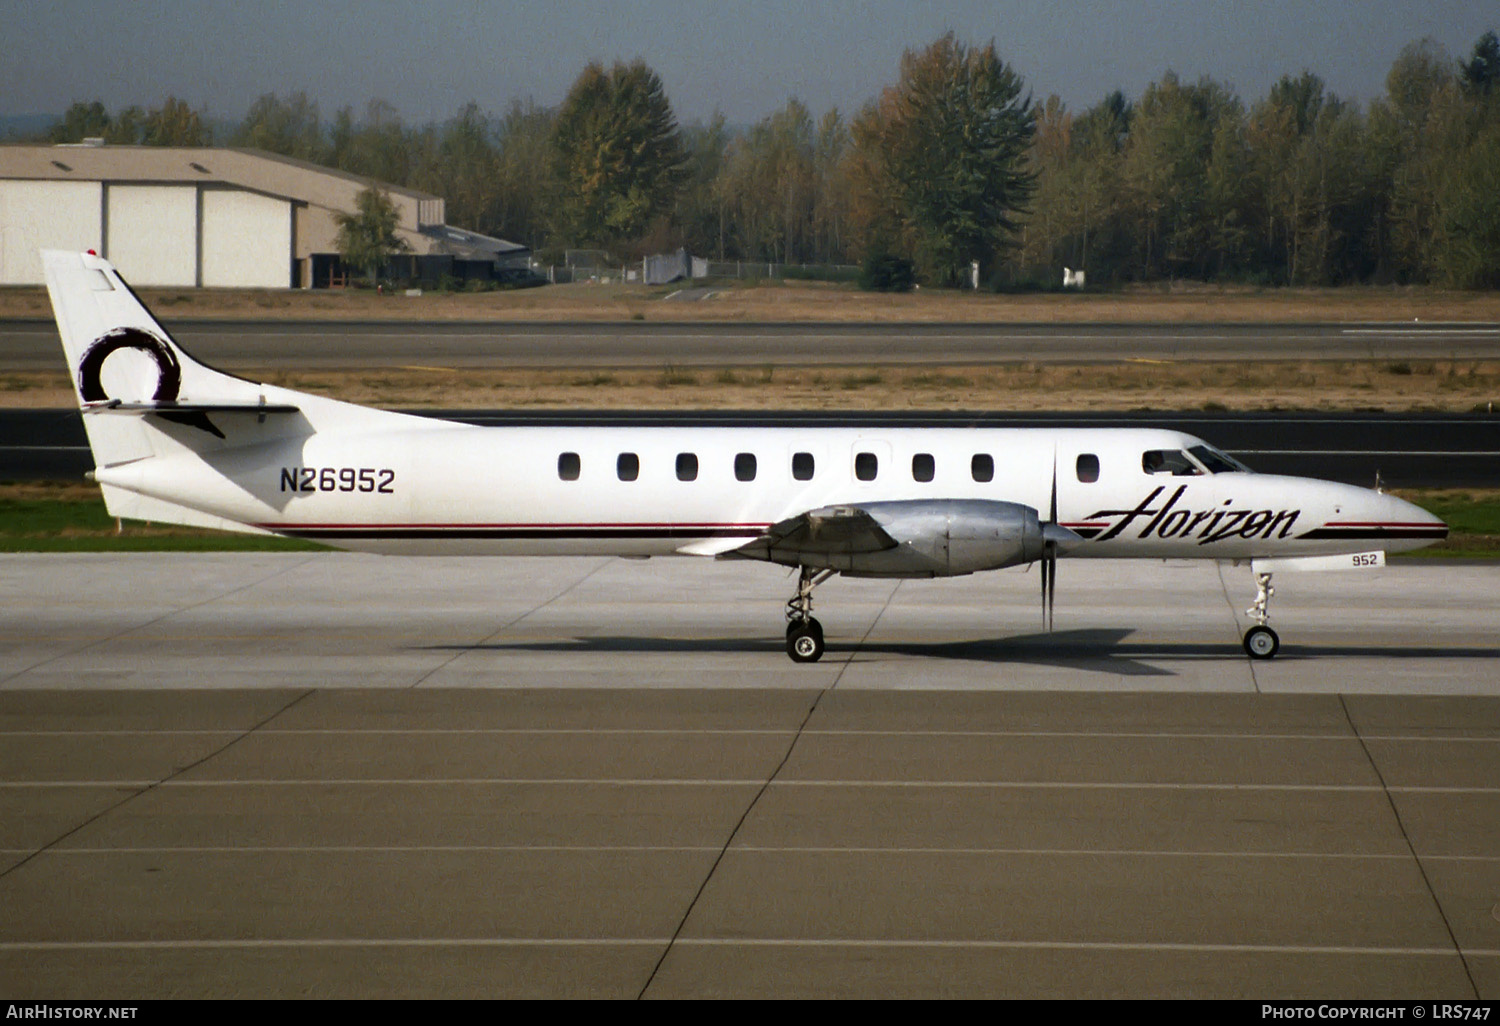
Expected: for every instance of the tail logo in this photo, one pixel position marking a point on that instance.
(168, 370)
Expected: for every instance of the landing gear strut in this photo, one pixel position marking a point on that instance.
(1260, 641)
(804, 635)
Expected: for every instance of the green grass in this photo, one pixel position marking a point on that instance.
(1464, 512)
(1473, 520)
(75, 521)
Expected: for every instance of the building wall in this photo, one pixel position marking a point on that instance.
(247, 240)
(186, 216)
(153, 233)
(37, 215)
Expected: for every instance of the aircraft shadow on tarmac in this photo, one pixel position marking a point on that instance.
(1098, 650)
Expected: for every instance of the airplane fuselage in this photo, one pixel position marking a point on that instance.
(435, 487)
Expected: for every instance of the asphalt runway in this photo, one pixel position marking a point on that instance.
(243, 345)
(332, 775)
(1428, 450)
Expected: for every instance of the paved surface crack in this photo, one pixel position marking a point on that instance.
(155, 784)
(1234, 614)
(1421, 867)
(158, 619)
(791, 746)
(507, 625)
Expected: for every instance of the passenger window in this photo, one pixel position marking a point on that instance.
(628, 466)
(687, 466)
(744, 467)
(1088, 468)
(802, 466)
(922, 467)
(866, 466)
(982, 467)
(567, 466)
(1168, 461)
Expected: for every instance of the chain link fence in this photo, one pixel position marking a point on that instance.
(658, 270)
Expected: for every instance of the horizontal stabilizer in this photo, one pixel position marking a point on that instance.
(120, 406)
(194, 415)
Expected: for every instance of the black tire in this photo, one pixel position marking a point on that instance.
(1261, 643)
(804, 644)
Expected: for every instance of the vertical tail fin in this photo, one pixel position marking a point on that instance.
(119, 355)
(143, 395)
(116, 349)
(147, 402)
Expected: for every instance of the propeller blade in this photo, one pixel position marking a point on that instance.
(1052, 508)
(1051, 583)
(1049, 554)
(1046, 570)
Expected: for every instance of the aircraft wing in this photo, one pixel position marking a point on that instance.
(831, 530)
(908, 538)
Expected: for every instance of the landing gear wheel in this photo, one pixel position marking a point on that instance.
(810, 623)
(804, 642)
(1261, 642)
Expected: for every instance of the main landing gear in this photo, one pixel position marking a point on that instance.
(1260, 641)
(804, 634)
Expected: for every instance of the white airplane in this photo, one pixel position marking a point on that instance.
(175, 441)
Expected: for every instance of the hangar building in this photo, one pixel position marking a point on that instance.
(213, 217)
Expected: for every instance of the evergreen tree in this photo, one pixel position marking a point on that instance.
(290, 127)
(954, 134)
(1481, 72)
(174, 123)
(126, 128)
(81, 121)
(618, 154)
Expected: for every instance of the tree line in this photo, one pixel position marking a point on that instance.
(956, 163)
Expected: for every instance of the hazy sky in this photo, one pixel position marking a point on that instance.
(429, 56)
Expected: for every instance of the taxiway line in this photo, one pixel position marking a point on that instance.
(747, 782)
(747, 732)
(722, 942)
(759, 849)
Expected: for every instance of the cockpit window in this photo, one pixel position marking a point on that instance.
(1168, 461)
(1218, 462)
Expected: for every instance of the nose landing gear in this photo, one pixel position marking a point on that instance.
(1261, 642)
(804, 634)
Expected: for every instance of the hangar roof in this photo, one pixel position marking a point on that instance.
(467, 245)
(257, 170)
(420, 215)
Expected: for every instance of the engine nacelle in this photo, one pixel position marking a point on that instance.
(955, 536)
(946, 538)
(910, 538)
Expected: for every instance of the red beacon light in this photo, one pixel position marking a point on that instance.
(92, 253)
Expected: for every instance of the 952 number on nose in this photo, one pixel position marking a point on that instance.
(338, 479)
